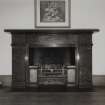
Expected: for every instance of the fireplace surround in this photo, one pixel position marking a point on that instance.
(49, 58)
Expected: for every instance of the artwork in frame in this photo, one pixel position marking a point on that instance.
(52, 13)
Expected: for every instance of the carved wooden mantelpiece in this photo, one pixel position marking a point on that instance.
(75, 73)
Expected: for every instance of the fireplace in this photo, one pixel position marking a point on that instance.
(42, 58)
(52, 64)
(52, 55)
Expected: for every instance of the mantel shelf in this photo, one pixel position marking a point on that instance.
(51, 30)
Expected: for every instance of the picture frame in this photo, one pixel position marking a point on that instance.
(52, 13)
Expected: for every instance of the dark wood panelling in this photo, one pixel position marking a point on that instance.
(18, 39)
(18, 67)
(85, 66)
(51, 39)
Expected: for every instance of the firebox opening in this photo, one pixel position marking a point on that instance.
(49, 55)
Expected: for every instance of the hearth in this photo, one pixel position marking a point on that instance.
(52, 64)
(49, 58)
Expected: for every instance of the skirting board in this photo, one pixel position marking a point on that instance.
(6, 80)
(98, 80)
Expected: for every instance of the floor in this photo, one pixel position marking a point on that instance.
(52, 98)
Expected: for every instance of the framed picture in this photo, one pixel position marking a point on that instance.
(52, 13)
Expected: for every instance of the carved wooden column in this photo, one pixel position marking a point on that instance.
(18, 60)
(85, 60)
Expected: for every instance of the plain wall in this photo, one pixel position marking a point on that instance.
(19, 14)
